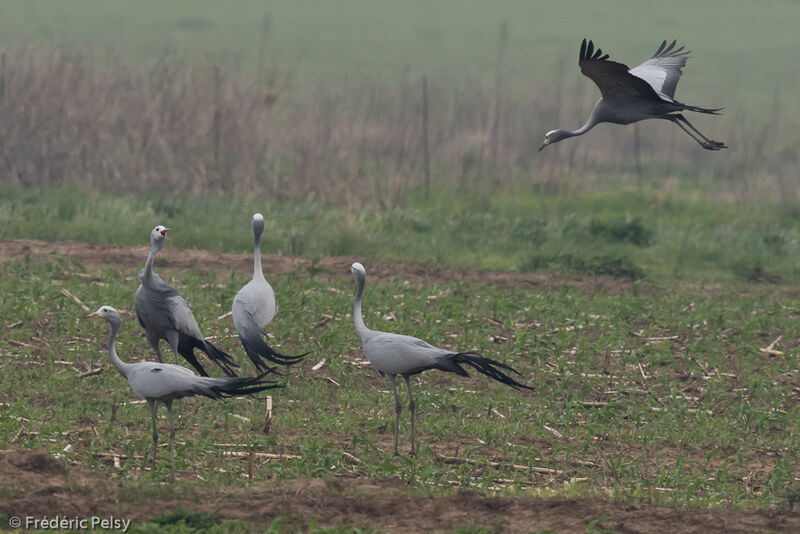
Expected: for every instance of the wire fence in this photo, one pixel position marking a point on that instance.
(180, 126)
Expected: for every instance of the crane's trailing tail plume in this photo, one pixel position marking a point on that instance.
(260, 353)
(186, 346)
(488, 367)
(710, 111)
(245, 386)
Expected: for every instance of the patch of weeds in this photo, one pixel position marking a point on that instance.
(314, 270)
(279, 526)
(775, 242)
(345, 243)
(622, 231)
(602, 265)
(226, 527)
(594, 528)
(193, 520)
(781, 478)
(757, 273)
(792, 497)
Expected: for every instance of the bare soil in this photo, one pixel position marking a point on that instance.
(97, 255)
(37, 484)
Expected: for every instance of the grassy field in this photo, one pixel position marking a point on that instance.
(658, 396)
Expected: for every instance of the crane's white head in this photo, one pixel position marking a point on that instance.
(358, 269)
(554, 136)
(258, 224)
(158, 235)
(106, 312)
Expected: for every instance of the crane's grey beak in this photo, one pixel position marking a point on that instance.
(541, 147)
(93, 314)
(164, 233)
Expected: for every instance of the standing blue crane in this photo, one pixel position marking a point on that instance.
(164, 314)
(396, 354)
(254, 307)
(632, 95)
(164, 382)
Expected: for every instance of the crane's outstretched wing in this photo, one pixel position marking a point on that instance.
(663, 70)
(613, 79)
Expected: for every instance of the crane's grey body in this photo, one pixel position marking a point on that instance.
(396, 354)
(631, 95)
(165, 314)
(164, 382)
(254, 307)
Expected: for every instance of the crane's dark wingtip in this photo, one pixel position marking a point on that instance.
(589, 53)
(669, 50)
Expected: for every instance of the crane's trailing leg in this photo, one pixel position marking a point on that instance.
(704, 141)
(154, 343)
(153, 408)
(397, 409)
(171, 437)
(716, 144)
(412, 409)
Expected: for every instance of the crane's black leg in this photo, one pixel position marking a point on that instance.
(674, 118)
(152, 404)
(171, 437)
(397, 409)
(154, 343)
(412, 409)
(172, 339)
(704, 141)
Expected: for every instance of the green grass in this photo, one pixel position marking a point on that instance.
(688, 411)
(627, 233)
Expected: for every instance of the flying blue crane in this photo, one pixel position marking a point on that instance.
(632, 95)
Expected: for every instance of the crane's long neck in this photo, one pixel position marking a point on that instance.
(257, 272)
(590, 123)
(121, 366)
(148, 266)
(361, 328)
